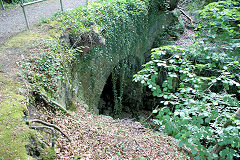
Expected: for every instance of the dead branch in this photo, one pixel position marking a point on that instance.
(186, 15)
(50, 125)
(150, 115)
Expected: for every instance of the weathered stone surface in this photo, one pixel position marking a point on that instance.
(90, 73)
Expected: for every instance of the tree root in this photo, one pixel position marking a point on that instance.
(51, 102)
(50, 125)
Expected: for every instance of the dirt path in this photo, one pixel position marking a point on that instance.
(12, 21)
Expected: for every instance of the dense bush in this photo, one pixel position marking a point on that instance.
(16, 1)
(198, 110)
(199, 85)
(12, 1)
(220, 26)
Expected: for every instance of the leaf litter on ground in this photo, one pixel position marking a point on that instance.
(102, 137)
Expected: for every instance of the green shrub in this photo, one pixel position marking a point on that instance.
(198, 108)
(199, 86)
(16, 1)
(221, 26)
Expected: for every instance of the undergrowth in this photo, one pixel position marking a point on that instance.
(199, 86)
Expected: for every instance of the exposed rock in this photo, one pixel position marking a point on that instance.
(91, 71)
(85, 41)
(39, 151)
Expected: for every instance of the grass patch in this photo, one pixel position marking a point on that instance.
(22, 39)
(26, 39)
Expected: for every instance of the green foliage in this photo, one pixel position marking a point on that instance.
(123, 23)
(193, 6)
(199, 86)
(119, 21)
(221, 26)
(195, 98)
(118, 77)
(16, 1)
(50, 67)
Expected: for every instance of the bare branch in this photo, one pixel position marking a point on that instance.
(186, 15)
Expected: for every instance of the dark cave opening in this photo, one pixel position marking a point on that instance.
(137, 100)
(106, 101)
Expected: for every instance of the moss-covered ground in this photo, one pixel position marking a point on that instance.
(14, 133)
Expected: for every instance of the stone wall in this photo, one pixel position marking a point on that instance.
(90, 73)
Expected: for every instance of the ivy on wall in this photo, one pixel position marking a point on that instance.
(123, 23)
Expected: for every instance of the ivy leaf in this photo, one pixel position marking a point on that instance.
(181, 143)
(155, 111)
(194, 151)
(171, 60)
(164, 84)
